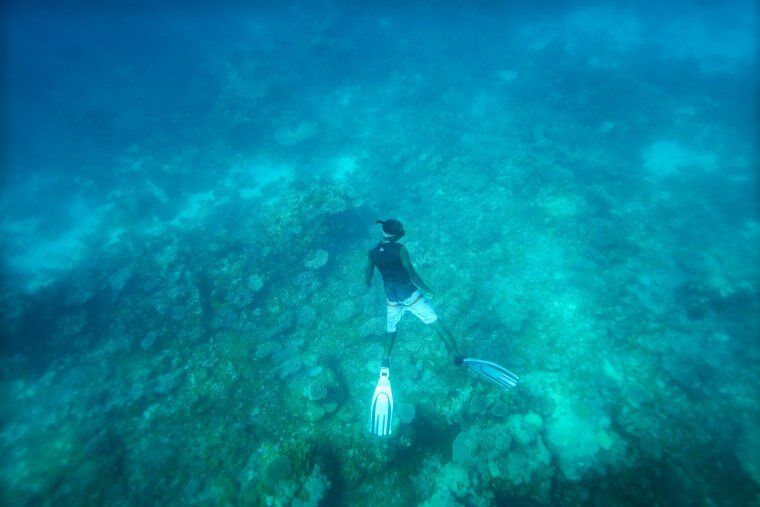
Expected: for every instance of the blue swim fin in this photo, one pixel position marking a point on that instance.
(492, 371)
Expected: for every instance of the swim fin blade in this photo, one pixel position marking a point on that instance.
(381, 415)
(492, 371)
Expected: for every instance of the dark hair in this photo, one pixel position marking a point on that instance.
(392, 227)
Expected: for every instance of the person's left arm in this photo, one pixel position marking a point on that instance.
(369, 271)
(413, 275)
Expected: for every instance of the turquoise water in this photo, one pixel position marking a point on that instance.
(187, 204)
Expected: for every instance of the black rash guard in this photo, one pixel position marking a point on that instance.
(398, 285)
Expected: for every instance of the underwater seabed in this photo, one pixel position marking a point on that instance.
(211, 372)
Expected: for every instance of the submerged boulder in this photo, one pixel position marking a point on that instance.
(460, 485)
(288, 136)
(317, 259)
(405, 412)
(512, 456)
(572, 438)
(316, 393)
(345, 310)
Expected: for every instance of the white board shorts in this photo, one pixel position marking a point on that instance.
(417, 303)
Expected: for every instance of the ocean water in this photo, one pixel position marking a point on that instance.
(189, 194)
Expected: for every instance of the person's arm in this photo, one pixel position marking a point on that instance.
(416, 279)
(369, 270)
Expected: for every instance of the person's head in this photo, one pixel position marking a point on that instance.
(393, 230)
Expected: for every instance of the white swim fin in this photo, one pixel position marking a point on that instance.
(381, 416)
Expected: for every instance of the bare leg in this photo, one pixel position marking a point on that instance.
(390, 339)
(446, 337)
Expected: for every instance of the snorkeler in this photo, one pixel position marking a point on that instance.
(407, 292)
(404, 288)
